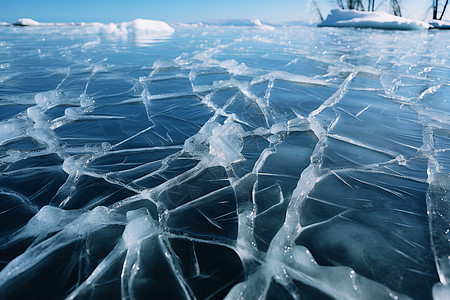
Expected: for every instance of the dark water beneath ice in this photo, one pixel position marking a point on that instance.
(292, 163)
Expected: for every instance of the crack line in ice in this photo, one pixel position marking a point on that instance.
(258, 282)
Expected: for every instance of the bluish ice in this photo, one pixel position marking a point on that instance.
(224, 162)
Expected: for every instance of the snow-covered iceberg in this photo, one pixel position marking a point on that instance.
(379, 20)
(439, 24)
(137, 27)
(26, 22)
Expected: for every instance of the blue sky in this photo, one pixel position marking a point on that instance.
(173, 11)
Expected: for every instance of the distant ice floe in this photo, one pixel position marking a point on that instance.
(379, 20)
(231, 22)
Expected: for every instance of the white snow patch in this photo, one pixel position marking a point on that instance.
(380, 20)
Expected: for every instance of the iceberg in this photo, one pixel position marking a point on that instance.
(378, 20)
(137, 27)
(440, 24)
(26, 22)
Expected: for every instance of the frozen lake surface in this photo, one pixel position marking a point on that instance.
(212, 162)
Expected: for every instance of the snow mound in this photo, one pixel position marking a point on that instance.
(438, 24)
(26, 22)
(380, 20)
(138, 27)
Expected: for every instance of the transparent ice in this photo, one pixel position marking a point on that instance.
(223, 162)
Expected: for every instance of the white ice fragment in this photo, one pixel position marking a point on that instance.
(11, 129)
(13, 155)
(140, 225)
(441, 292)
(246, 246)
(86, 105)
(86, 100)
(106, 146)
(46, 100)
(371, 19)
(90, 221)
(49, 219)
(401, 160)
(74, 166)
(35, 114)
(72, 113)
(226, 143)
(278, 127)
(274, 138)
(217, 144)
(196, 145)
(235, 68)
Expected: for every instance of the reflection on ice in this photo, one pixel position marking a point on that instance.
(223, 162)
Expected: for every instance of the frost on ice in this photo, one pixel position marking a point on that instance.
(295, 163)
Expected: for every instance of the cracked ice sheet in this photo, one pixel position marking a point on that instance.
(296, 163)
